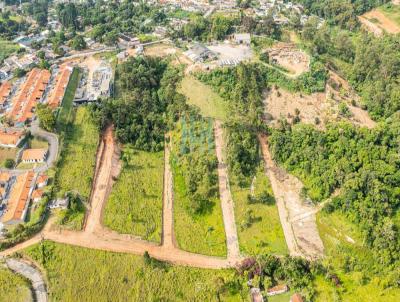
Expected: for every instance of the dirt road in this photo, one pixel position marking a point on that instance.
(297, 217)
(95, 236)
(225, 196)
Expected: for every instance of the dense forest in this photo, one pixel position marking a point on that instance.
(146, 105)
(372, 65)
(364, 164)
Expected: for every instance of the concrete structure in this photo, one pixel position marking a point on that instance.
(11, 138)
(199, 53)
(17, 203)
(34, 155)
(243, 38)
(59, 203)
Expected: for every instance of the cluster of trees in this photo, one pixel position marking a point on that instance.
(373, 64)
(340, 12)
(108, 19)
(363, 163)
(38, 10)
(146, 105)
(47, 119)
(9, 28)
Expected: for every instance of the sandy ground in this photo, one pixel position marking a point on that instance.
(297, 216)
(290, 57)
(376, 22)
(227, 204)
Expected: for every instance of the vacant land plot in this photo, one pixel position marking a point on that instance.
(342, 240)
(7, 153)
(385, 19)
(7, 48)
(264, 232)
(13, 287)
(202, 96)
(289, 57)
(80, 274)
(135, 204)
(199, 233)
(232, 52)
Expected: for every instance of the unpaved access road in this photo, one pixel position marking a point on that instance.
(227, 205)
(297, 217)
(96, 236)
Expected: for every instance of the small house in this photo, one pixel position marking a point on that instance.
(243, 38)
(34, 155)
(37, 195)
(277, 290)
(296, 298)
(42, 181)
(11, 138)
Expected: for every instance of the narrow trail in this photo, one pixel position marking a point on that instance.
(227, 205)
(297, 218)
(168, 237)
(95, 236)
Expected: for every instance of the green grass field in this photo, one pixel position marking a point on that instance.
(80, 274)
(77, 161)
(7, 48)
(202, 96)
(205, 233)
(135, 203)
(342, 240)
(265, 235)
(7, 153)
(13, 287)
(391, 11)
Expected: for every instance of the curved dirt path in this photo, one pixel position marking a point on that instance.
(95, 236)
(32, 274)
(227, 205)
(297, 217)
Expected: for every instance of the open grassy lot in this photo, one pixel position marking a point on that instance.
(199, 233)
(343, 244)
(202, 96)
(391, 11)
(79, 274)
(7, 153)
(135, 203)
(77, 161)
(264, 234)
(13, 287)
(7, 48)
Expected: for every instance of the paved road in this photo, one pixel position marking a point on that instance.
(227, 204)
(32, 274)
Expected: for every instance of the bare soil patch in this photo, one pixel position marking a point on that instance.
(376, 22)
(289, 57)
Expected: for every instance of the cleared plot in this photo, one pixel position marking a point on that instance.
(80, 274)
(391, 11)
(135, 204)
(13, 287)
(257, 218)
(382, 19)
(202, 96)
(289, 57)
(203, 232)
(343, 244)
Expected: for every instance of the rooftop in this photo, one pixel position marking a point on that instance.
(11, 137)
(34, 154)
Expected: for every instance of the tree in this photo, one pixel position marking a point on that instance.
(78, 43)
(9, 163)
(46, 117)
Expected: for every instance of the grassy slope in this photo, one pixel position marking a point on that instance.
(192, 232)
(80, 274)
(333, 229)
(392, 12)
(265, 235)
(135, 203)
(202, 96)
(13, 287)
(7, 48)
